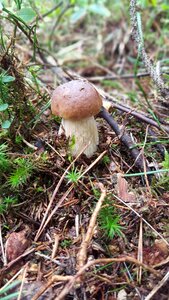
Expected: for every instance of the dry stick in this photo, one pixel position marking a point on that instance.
(23, 281)
(139, 116)
(162, 263)
(2, 246)
(52, 280)
(129, 259)
(82, 254)
(65, 195)
(144, 163)
(125, 139)
(124, 76)
(41, 229)
(140, 251)
(55, 246)
(157, 287)
(54, 195)
(10, 264)
(12, 279)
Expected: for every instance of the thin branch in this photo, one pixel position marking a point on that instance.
(124, 76)
(144, 220)
(157, 287)
(125, 139)
(82, 254)
(74, 279)
(52, 9)
(139, 116)
(44, 223)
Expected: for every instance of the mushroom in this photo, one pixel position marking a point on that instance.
(77, 102)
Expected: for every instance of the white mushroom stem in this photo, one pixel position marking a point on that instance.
(81, 133)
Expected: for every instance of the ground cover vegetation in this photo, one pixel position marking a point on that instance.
(78, 227)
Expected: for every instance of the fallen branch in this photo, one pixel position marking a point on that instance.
(140, 116)
(53, 279)
(94, 262)
(124, 76)
(125, 139)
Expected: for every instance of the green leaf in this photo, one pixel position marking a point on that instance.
(99, 9)
(78, 15)
(165, 7)
(165, 163)
(18, 3)
(26, 14)
(3, 106)
(7, 79)
(6, 124)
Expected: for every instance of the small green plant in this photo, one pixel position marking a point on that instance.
(65, 243)
(106, 159)
(73, 175)
(109, 220)
(163, 181)
(34, 77)
(23, 170)
(5, 81)
(165, 162)
(72, 142)
(6, 202)
(4, 161)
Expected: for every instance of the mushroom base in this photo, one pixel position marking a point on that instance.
(81, 133)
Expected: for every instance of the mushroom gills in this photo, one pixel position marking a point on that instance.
(81, 133)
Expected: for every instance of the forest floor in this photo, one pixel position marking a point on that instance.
(83, 228)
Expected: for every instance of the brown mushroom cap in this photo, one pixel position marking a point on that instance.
(75, 100)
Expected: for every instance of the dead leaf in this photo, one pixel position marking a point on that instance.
(122, 295)
(122, 189)
(156, 253)
(16, 244)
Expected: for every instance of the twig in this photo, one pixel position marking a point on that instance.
(73, 280)
(42, 227)
(11, 263)
(52, 280)
(140, 251)
(55, 151)
(138, 115)
(124, 76)
(148, 224)
(2, 246)
(55, 261)
(68, 6)
(82, 254)
(28, 144)
(55, 246)
(52, 9)
(157, 287)
(53, 197)
(125, 139)
(12, 279)
(144, 163)
(22, 283)
(162, 263)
